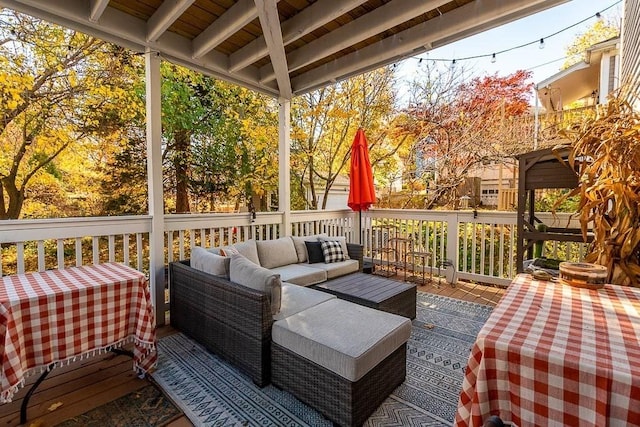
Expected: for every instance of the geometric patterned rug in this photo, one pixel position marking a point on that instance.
(213, 393)
(146, 407)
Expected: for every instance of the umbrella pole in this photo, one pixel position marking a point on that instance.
(360, 226)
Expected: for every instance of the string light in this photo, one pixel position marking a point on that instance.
(540, 41)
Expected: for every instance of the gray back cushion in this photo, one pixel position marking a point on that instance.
(203, 260)
(276, 253)
(248, 249)
(245, 272)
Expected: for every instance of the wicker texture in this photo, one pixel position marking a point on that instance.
(342, 401)
(356, 252)
(228, 319)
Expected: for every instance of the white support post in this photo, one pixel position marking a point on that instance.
(154, 182)
(284, 187)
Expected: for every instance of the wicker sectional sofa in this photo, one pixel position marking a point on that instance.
(359, 365)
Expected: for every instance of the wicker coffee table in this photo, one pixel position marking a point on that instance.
(375, 292)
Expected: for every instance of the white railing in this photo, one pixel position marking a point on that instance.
(37, 245)
(183, 232)
(481, 246)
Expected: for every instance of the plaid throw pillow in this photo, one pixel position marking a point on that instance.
(332, 252)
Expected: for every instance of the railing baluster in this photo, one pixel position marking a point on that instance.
(483, 247)
(78, 251)
(139, 251)
(501, 260)
(41, 260)
(112, 248)
(125, 248)
(181, 242)
(20, 257)
(60, 253)
(492, 250)
(473, 247)
(96, 249)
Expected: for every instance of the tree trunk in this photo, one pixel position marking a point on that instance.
(181, 164)
(16, 199)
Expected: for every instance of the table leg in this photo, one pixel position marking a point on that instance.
(25, 402)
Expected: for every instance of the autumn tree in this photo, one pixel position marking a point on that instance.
(600, 31)
(458, 126)
(235, 160)
(58, 89)
(324, 123)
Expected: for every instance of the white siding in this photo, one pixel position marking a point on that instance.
(630, 69)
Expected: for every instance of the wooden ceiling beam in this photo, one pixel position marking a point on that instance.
(375, 22)
(310, 18)
(97, 7)
(130, 32)
(168, 13)
(270, 22)
(464, 21)
(232, 21)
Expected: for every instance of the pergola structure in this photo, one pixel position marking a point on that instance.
(282, 48)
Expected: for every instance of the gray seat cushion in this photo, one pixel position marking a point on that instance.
(336, 269)
(300, 274)
(346, 338)
(296, 298)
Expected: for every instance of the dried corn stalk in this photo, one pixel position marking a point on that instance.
(606, 154)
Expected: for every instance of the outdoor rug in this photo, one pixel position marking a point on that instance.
(213, 393)
(147, 407)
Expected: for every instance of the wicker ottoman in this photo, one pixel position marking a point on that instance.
(341, 358)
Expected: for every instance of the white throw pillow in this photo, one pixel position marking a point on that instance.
(203, 260)
(244, 272)
(341, 239)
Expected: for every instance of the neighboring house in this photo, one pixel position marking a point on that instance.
(337, 196)
(495, 178)
(589, 81)
(630, 63)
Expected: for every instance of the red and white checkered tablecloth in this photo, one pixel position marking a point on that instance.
(554, 355)
(57, 316)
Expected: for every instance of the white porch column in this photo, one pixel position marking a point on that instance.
(284, 183)
(154, 182)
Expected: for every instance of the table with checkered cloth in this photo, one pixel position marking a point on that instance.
(551, 354)
(58, 316)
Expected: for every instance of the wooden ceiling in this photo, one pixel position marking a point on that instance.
(283, 48)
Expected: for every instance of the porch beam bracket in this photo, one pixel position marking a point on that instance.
(97, 9)
(381, 19)
(312, 17)
(168, 13)
(270, 22)
(464, 21)
(232, 21)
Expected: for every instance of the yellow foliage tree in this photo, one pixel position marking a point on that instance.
(58, 89)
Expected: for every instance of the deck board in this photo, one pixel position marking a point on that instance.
(87, 384)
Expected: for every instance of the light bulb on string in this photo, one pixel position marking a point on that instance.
(541, 46)
(493, 58)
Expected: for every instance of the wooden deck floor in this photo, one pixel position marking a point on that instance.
(84, 385)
